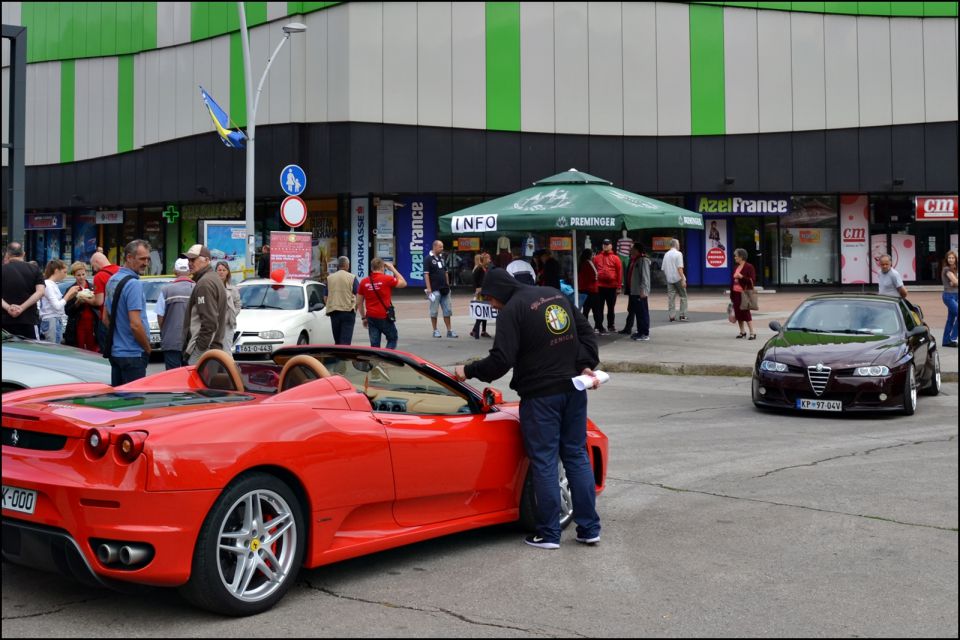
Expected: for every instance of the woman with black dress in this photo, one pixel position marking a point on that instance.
(482, 264)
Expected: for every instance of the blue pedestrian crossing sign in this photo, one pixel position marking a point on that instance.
(293, 180)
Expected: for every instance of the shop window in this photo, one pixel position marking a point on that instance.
(807, 242)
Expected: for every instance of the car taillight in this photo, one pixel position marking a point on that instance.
(97, 443)
(130, 444)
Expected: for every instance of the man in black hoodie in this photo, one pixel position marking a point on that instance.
(547, 342)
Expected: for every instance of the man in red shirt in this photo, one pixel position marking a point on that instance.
(103, 271)
(610, 281)
(375, 298)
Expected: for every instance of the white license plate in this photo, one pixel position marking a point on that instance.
(819, 405)
(255, 348)
(17, 499)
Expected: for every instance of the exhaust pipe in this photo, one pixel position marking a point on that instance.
(108, 553)
(131, 554)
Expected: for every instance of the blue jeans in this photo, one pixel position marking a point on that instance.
(173, 359)
(381, 326)
(51, 329)
(341, 323)
(124, 370)
(556, 427)
(950, 328)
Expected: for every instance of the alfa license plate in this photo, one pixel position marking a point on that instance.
(819, 405)
(17, 499)
(254, 348)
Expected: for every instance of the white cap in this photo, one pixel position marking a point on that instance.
(181, 265)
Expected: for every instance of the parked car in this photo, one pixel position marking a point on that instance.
(33, 363)
(848, 352)
(226, 478)
(275, 314)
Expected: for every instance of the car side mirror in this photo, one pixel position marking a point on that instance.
(775, 326)
(491, 398)
(316, 306)
(918, 330)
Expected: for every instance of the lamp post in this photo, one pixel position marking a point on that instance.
(252, 101)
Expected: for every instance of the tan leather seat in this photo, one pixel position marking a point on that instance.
(300, 369)
(218, 370)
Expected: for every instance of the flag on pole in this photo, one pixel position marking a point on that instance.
(233, 138)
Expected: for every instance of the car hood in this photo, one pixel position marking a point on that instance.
(80, 364)
(265, 319)
(838, 351)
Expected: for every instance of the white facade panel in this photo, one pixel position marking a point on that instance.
(260, 51)
(400, 62)
(537, 77)
(276, 10)
(165, 11)
(219, 84)
(280, 81)
(673, 69)
(109, 105)
(33, 120)
(52, 154)
(202, 73)
(84, 78)
(775, 84)
(906, 70)
(298, 75)
(840, 64)
(166, 95)
(181, 22)
(639, 69)
(365, 54)
(184, 98)
(740, 71)
(315, 76)
(151, 83)
(434, 66)
(873, 62)
(809, 100)
(606, 68)
(940, 69)
(95, 105)
(11, 15)
(469, 60)
(571, 84)
(139, 99)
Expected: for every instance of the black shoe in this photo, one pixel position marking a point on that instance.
(601, 330)
(625, 332)
(541, 543)
(672, 319)
(611, 328)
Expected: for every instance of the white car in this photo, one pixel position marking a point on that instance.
(275, 315)
(152, 285)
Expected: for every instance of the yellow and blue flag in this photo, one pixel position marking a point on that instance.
(233, 138)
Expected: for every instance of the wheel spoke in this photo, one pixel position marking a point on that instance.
(232, 548)
(272, 537)
(257, 511)
(274, 573)
(246, 567)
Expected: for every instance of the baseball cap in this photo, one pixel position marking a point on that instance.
(181, 265)
(607, 241)
(198, 250)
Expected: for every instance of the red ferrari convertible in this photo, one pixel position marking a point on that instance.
(225, 478)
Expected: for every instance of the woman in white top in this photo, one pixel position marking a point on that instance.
(53, 318)
(233, 305)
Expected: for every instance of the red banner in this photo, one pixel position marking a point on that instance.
(935, 208)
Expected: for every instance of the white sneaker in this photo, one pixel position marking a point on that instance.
(452, 334)
(436, 333)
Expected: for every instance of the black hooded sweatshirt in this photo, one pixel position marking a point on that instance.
(539, 334)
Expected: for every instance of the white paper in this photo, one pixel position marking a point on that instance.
(586, 382)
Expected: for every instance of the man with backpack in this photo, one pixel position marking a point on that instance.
(127, 336)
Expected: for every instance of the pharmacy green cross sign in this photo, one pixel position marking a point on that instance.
(171, 214)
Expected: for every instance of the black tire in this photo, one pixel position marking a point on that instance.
(932, 387)
(241, 501)
(754, 392)
(528, 502)
(910, 392)
(303, 339)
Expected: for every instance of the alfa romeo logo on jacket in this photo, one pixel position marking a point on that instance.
(558, 320)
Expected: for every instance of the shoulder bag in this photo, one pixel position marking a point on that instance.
(748, 300)
(391, 311)
(107, 349)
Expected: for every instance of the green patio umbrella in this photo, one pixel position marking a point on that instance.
(569, 202)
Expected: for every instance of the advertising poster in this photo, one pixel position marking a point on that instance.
(385, 219)
(903, 254)
(415, 225)
(359, 234)
(85, 236)
(292, 252)
(716, 253)
(854, 252)
(227, 240)
(324, 229)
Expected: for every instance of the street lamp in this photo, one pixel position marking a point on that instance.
(252, 101)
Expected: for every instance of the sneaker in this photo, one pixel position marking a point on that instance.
(537, 541)
(625, 332)
(672, 319)
(592, 540)
(451, 334)
(436, 333)
(601, 330)
(637, 336)
(683, 318)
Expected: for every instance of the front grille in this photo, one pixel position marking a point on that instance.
(819, 375)
(23, 439)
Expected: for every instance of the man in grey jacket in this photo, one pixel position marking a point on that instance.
(638, 288)
(206, 309)
(171, 311)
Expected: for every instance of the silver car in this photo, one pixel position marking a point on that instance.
(32, 363)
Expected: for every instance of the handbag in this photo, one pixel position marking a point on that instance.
(748, 300)
(731, 314)
(391, 310)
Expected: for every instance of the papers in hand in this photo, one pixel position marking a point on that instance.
(587, 382)
(432, 296)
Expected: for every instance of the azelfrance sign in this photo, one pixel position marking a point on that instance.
(744, 206)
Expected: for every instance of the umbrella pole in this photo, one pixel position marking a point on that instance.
(576, 288)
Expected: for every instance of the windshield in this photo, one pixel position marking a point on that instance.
(152, 288)
(845, 316)
(271, 296)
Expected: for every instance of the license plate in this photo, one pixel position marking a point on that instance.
(254, 348)
(16, 499)
(819, 405)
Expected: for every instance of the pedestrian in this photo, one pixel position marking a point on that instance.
(103, 270)
(889, 281)
(375, 302)
(546, 342)
(127, 335)
(341, 301)
(171, 310)
(207, 308)
(676, 281)
(53, 304)
(81, 314)
(263, 268)
(438, 289)
(522, 270)
(609, 282)
(549, 273)
(744, 277)
(587, 282)
(233, 304)
(638, 290)
(479, 271)
(949, 277)
(23, 287)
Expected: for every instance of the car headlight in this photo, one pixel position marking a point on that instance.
(770, 365)
(872, 372)
(271, 335)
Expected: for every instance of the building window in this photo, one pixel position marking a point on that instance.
(806, 246)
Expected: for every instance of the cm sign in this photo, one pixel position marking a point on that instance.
(474, 223)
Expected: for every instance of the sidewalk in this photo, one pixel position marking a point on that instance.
(706, 345)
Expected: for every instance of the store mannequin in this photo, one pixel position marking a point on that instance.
(587, 243)
(624, 244)
(529, 246)
(503, 243)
